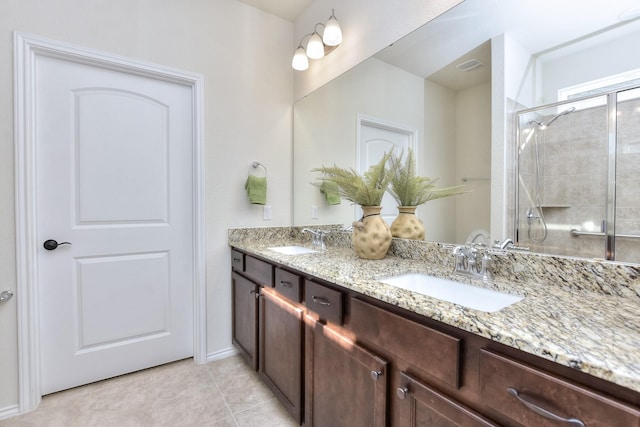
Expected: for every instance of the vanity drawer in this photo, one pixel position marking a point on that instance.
(437, 355)
(326, 302)
(259, 271)
(237, 261)
(501, 378)
(289, 285)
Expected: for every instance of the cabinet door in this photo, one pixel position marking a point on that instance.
(281, 332)
(345, 384)
(421, 405)
(245, 317)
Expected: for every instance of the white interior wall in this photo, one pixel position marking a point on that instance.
(510, 84)
(592, 63)
(248, 98)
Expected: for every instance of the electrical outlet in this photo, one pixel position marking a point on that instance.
(314, 212)
(267, 212)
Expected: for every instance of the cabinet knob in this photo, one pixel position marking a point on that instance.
(375, 375)
(402, 392)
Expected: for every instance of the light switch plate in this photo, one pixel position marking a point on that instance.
(314, 212)
(267, 212)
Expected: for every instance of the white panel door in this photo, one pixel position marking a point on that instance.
(377, 138)
(114, 166)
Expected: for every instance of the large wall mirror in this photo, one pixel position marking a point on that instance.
(459, 83)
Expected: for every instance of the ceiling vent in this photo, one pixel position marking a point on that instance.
(470, 65)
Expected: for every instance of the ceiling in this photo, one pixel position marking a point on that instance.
(285, 9)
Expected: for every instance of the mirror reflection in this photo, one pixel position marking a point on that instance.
(456, 86)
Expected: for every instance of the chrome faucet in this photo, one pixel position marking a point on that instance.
(473, 261)
(317, 238)
(507, 244)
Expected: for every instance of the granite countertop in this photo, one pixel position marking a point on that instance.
(587, 329)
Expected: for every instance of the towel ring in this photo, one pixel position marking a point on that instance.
(255, 165)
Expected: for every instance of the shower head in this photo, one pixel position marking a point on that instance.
(554, 118)
(543, 126)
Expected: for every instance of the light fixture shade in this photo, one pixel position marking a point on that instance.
(332, 35)
(300, 61)
(315, 47)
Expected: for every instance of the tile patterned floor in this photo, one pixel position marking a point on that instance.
(224, 393)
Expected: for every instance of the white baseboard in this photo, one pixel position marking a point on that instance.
(222, 354)
(9, 411)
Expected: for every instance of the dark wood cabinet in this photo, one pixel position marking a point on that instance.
(245, 318)
(267, 326)
(346, 385)
(420, 405)
(281, 334)
(336, 358)
(532, 397)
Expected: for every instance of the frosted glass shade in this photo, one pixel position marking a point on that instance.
(300, 61)
(315, 47)
(332, 35)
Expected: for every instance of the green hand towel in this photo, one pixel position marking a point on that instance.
(331, 193)
(256, 187)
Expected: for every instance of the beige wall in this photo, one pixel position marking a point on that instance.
(438, 158)
(248, 97)
(473, 159)
(457, 144)
(325, 129)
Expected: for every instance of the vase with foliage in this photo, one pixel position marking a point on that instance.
(371, 235)
(410, 191)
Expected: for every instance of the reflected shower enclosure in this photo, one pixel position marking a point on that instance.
(578, 180)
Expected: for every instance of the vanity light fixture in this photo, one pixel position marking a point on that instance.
(317, 47)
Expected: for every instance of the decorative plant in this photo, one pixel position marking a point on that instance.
(363, 190)
(409, 189)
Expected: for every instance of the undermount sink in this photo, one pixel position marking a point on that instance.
(462, 294)
(292, 250)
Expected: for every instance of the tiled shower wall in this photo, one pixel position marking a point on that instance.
(573, 153)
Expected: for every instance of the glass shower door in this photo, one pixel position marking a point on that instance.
(563, 178)
(627, 209)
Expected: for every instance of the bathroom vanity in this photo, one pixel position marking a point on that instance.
(340, 348)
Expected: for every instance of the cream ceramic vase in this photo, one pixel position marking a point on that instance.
(407, 225)
(371, 236)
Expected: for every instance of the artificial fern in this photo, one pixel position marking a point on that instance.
(363, 190)
(409, 189)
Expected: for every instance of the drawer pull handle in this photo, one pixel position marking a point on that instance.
(286, 284)
(375, 375)
(320, 300)
(402, 392)
(543, 412)
(236, 260)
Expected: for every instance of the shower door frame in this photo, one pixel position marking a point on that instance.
(612, 143)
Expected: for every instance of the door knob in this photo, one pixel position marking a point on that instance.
(5, 296)
(52, 244)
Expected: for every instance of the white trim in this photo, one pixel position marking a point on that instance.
(222, 354)
(26, 47)
(9, 411)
